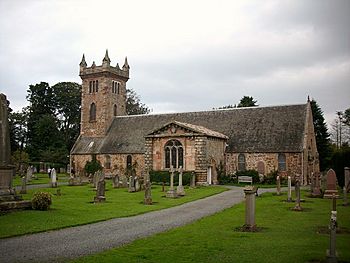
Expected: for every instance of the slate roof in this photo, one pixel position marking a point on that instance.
(199, 130)
(253, 129)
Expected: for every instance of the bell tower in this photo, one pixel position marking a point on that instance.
(103, 95)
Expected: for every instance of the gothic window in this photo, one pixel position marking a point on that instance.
(96, 85)
(282, 162)
(173, 154)
(108, 162)
(128, 162)
(241, 162)
(90, 87)
(93, 86)
(117, 88)
(93, 112)
(115, 110)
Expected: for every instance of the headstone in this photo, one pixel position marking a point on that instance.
(148, 194)
(124, 181)
(29, 174)
(115, 181)
(347, 178)
(100, 193)
(250, 192)
(180, 189)
(297, 197)
(278, 182)
(132, 184)
(193, 180)
(331, 187)
(137, 184)
(23, 186)
(53, 178)
(345, 197)
(316, 191)
(331, 253)
(171, 192)
(289, 197)
(8, 198)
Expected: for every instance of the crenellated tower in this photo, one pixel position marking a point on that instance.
(103, 95)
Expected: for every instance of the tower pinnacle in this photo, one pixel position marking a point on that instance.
(106, 60)
(126, 66)
(83, 62)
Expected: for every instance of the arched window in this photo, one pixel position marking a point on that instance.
(282, 162)
(241, 162)
(174, 154)
(90, 87)
(93, 112)
(128, 162)
(108, 162)
(115, 110)
(96, 85)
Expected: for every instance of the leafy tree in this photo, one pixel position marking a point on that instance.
(247, 101)
(134, 105)
(18, 129)
(68, 100)
(322, 135)
(92, 166)
(346, 117)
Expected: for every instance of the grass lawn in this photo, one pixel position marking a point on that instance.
(286, 236)
(75, 207)
(42, 178)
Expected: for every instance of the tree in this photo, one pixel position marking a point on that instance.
(67, 97)
(247, 101)
(134, 105)
(322, 135)
(18, 129)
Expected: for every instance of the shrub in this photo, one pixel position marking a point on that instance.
(41, 201)
(92, 166)
(164, 177)
(270, 178)
(251, 173)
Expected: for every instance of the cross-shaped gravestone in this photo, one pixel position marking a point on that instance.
(171, 193)
(316, 191)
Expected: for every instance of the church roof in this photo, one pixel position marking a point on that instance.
(253, 129)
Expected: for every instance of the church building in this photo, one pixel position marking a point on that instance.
(265, 139)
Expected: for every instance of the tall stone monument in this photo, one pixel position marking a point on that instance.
(8, 198)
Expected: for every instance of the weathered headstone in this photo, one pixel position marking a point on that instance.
(53, 178)
(316, 191)
(250, 192)
(331, 253)
(132, 184)
(23, 186)
(297, 206)
(137, 184)
(29, 174)
(278, 182)
(180, 189)
(289, 197)
(193, 180)
(148, 195)
(331, 185)
(171, 193)
(115, 181)
(347, 178)
(124, 181)
(100, 193)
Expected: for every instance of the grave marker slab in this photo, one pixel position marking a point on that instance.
(331, 187)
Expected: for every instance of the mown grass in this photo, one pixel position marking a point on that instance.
(286, 236)
(75, 207)
(41, 178)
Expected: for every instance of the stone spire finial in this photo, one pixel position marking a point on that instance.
(106, 60)
(308, 98)
(83, 62)
(126, 66)
(117, 66)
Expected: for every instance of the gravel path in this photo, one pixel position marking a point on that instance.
(69, 243)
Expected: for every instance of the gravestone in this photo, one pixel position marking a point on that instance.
(53, 178)
(345, 197)
(250, 192)
(331, 187)
(137, 184)
(297, 197)
(100, 192)
(115, 181)
(289, 197)
(316, 191)
(8, 198)
(23, 186)
(148, 194)
(278, 182)
(180, 189)
(331, 253)
(193, 180)
(171, 193)
(29, 174)
(347, 178)
(132, 184)
(124, 181)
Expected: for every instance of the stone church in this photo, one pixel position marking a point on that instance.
(265, 139)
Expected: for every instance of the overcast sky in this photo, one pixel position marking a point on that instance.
(184, 55)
